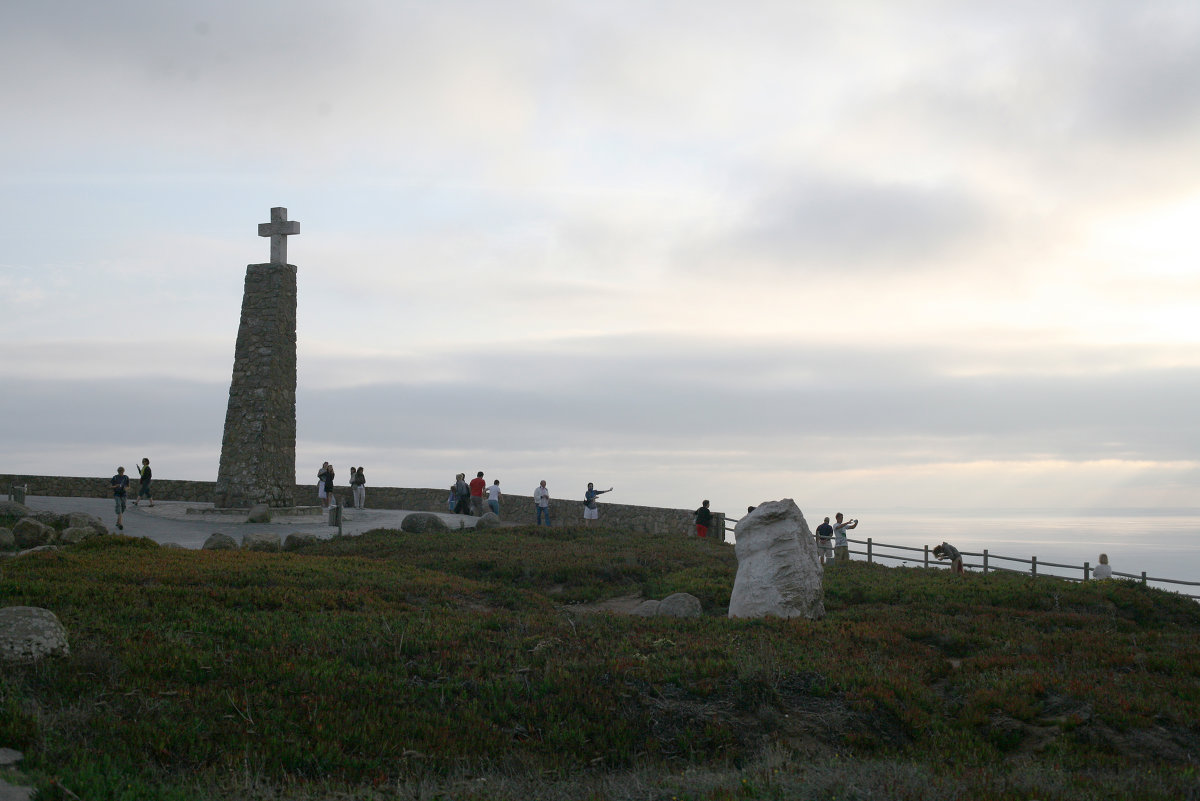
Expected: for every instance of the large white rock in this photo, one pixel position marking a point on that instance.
(779, 572)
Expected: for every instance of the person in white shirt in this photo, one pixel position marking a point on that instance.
(1103, 570)
(493, 499)
(541, 497)
(841, 548)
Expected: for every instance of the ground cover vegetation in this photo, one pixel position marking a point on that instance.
(463, 665)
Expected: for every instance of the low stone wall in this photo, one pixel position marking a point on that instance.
(513, 508)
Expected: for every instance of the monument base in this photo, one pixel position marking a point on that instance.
(280, 511)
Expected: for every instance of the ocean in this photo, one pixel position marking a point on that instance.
(1163, 543)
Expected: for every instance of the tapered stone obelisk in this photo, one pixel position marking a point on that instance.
(258, 450)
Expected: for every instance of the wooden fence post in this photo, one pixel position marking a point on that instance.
(1033, 565)
(926, 556)
(1087, 570)
(869, 549)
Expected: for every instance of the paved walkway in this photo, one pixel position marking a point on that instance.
(169, 521)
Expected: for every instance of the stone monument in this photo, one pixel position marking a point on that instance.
(258, 450)
(779, 572)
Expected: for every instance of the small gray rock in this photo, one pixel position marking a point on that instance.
(260, 541)
(29, 532)
(259, 513)
(9, 757)
(28, 633)
(172, 545)
(6, 538)
(37, 549)
(488, 520)
(647, 608)
(51, 519)
(84, 520)
(219, 542)
(14, 509)
(680, 604)
(75, 534)
(298, 540)
(422, 522)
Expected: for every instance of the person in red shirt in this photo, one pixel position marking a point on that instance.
(477, 486)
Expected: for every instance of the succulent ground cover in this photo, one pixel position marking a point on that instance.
(460, 665)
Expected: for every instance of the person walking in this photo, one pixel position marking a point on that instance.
(541, 500)
(825, 540)
(591, 511)
(120, 483)
(477, 486)
(703, 520)
(841, 547)
(493, 499)
(144, 487)
(358, 481)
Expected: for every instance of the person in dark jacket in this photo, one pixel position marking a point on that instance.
(703, 520)
(462, 495)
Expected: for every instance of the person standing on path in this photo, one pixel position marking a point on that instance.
(825, 540)
(477, 486)
(321, 496)
(462, 495)
(120, 483)
(703, 520)
(359, 482)
(591, 511)
(144, 489)
(330, 499)
(493, 493)
(541, 498)
(841, 547)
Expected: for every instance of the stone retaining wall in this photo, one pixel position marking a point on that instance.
(513, 508)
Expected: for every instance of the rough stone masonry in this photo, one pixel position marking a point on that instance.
(258, 450)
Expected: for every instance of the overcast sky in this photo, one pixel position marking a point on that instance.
(860, 254)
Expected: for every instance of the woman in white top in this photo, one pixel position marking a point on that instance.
(1103, 570)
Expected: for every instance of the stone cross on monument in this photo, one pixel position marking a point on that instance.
(258, 450)
(279, 229)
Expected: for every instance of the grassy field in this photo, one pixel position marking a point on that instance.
(465, 666)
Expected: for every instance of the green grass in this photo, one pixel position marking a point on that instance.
(456, 666)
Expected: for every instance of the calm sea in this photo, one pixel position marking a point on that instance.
(1163, 543)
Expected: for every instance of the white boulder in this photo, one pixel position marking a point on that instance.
(779, 572)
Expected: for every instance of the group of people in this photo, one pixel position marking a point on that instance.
(120, 489)
(468, 498)
(358, 486)
(832, 543)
